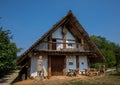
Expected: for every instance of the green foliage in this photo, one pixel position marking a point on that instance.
(117, 57)
(95, 65)
(107, 48)
(8, 52)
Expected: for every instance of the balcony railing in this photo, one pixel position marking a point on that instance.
(60, 46)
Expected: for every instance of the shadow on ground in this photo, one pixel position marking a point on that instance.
(115, 74)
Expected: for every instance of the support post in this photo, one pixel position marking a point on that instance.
(49, 66)
(82, 42)
(77, 62)
(64, 69)
(50, 42)
(64, 41)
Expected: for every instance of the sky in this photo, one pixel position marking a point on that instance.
(28, 20)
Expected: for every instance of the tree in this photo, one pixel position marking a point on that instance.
(8, 52)
(107, 48)
(117, 57)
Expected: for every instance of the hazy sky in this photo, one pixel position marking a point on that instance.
(29, 19)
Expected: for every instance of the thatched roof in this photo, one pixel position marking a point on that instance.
(77, 30)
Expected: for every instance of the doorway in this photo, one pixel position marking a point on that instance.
(57, 65)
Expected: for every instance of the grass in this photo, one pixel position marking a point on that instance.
(115, 74)
(112, 78)
(86, 83)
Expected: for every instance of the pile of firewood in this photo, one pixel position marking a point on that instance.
(94, 72)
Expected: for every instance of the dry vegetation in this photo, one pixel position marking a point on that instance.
(107, 79)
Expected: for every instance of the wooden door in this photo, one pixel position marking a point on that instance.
(57, 65)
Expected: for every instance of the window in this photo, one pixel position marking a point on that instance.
(70, 63)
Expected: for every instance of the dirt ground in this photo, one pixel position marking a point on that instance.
(65, 80)
(54, 80)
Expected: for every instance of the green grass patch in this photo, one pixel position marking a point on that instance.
(86, 83)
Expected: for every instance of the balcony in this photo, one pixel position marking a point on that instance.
(60, 46)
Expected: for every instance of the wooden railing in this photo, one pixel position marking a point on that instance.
(60, 46)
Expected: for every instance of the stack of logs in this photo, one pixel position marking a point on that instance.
(88, 72)
(91, 72)
(94, 72)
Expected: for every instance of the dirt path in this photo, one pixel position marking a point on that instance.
(7, 79)
(55, 80)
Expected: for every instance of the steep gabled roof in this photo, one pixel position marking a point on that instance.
(79, 32)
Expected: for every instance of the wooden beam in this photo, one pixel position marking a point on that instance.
(49, 66)
(64, 69)
(82, 42)
(71, 30)
(61, 42)
(50, 42)
(88, 62)
(77, 62)
(77, 45)
(64, 41)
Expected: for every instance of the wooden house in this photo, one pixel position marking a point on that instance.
(65, 46)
